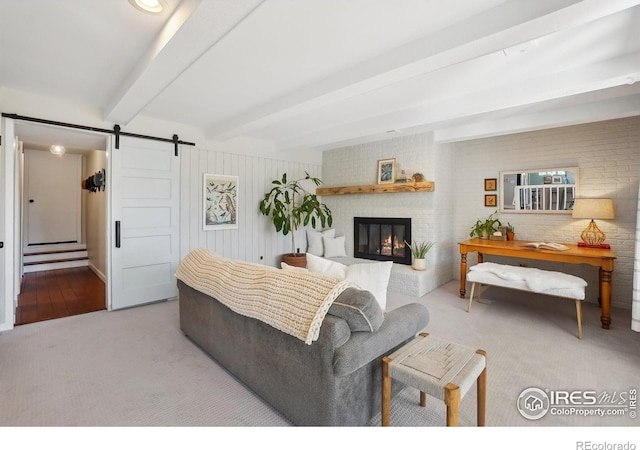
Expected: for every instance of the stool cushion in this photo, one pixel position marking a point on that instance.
(442, 356)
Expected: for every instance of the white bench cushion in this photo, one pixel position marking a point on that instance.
(528, 279)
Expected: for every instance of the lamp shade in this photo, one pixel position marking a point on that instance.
(593, 208)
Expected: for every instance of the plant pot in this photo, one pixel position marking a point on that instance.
(295, 259)
(510, 235)
(419, 264)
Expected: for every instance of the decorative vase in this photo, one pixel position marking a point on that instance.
(419, 264)
(295, 259)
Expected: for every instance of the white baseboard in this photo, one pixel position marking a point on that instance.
(100, 275)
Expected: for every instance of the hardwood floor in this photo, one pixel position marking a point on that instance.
(59, 293)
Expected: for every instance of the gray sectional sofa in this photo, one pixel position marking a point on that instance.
(335, 381)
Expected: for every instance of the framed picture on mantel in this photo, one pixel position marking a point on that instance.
(387, 171)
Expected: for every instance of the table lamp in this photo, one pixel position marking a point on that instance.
(593, 208)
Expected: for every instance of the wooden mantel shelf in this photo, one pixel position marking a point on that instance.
(424, 186)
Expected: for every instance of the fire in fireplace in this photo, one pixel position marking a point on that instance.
(382, 239)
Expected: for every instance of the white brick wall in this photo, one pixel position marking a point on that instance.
(431, 213)
(608, 155)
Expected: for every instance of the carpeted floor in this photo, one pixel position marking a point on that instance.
(135, 368)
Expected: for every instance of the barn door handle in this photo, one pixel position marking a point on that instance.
(117, 234)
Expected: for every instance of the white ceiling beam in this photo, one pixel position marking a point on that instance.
(508, 25)
(613, 108)
(617, 72)
(192, 30)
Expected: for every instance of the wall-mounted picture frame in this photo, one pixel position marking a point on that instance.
(220, 202)
(490, 200)
(556, 179)
(387, 171)
(490, 184)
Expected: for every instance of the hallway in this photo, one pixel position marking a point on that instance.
(59, 293)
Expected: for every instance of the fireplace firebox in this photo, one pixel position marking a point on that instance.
(382, 239)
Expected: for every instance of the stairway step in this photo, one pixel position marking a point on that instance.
(46, 248)
(55, 260)
(40, 267)
(54, 256)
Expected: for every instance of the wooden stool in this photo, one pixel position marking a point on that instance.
(443, 369)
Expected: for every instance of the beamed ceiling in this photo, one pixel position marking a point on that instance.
(321, 74)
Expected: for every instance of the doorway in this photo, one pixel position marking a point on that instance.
(139, 239)
(63, 225)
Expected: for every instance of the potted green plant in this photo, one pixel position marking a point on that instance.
(511, 232)
(290, 205)
(485, 228)
(419, 252)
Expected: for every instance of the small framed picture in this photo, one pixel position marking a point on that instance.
(490, 184)
(546, 179)
(387, 171)
(490, 200)
(556, 179)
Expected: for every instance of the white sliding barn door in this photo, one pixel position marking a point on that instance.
(145, 201)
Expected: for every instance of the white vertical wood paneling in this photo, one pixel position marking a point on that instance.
(260, 238)
(255, 239)
(206, 166)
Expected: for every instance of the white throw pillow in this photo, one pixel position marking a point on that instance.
(286, 266)
(333, 247)
(327, 267)
(314, 240)
(373, 277)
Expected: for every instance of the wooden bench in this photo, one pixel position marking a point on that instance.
(529, 279)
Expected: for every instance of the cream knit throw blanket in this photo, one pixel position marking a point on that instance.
(294, 302)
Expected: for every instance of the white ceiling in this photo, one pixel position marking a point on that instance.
(327, 73)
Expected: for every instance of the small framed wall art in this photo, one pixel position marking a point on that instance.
(490, 184)
(220, 203)
(387, 171)
(490, 200)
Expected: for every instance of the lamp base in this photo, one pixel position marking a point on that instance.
(593, 235)
(584, 244)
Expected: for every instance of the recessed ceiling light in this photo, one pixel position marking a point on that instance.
(149, 6)
(57, 150)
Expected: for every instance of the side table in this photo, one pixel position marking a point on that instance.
(443, 369)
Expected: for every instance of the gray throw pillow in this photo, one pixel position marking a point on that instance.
(359, 308)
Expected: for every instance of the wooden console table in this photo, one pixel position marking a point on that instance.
(602, 258)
